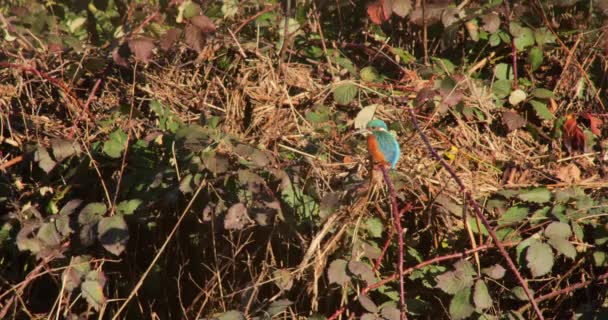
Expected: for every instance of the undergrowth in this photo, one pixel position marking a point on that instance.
(199, 159)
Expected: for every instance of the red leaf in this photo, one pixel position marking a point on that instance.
(142, 48)
(574, 138)
(595, 124)
(379, 11)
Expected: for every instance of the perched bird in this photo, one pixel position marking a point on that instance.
(381, 144)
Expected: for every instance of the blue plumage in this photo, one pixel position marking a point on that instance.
(386, 145)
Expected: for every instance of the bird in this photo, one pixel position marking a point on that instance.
(381, 144)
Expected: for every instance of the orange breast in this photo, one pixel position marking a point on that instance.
(374, 149)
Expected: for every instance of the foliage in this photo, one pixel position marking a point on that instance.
(119, 120)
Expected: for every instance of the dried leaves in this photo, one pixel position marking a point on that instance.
(381, 10)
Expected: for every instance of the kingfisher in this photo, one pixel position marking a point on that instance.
(381, 144)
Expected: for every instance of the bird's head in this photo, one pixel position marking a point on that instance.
(376, 124)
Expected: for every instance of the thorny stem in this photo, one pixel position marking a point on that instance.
(397, 218)
(419, 266)
(479, 214)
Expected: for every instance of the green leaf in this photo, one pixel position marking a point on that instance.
(578, 230)
(460, 307)
(374, 227)
(519, 293)
(502, 88)
(452, 282)
(115, 144)
(558, 230)
(544, 36)
(503, 71)
(345, 93)
(92, 291)
(600, 259)
(369, 74)
(69, 207)
(230, 315)
(516, 97)
(494, 39)
(229, 9)
(523, 36)
(49, 235)
(481, 296)
(474, 227)
(535, 58)
(541, 110)
(536, 195)
(91, 213)
(73, 275)
(540, 215)
(127, 207)
(540, 258)
(514, 214)
(113, 234)
(277, 307)
(563, 246)
(543, 93)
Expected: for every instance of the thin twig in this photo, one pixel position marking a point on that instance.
(159, 253)
(421, 265)
(479, 214)
(397, 218)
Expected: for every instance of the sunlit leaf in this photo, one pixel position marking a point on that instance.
(345, 93)
(367, 303)
(540, 258)
(92, 291)
(91, 213)
(495, 272)
(536, 195)
(115, 144)
(44, 160)
(481, 296)
(113, 234)
(460, 307)
(514, 214)
(128, 207)
(541, 110)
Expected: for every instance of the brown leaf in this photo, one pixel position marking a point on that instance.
(168, 39)
(142, 48)
(574, 137)
(512, 120)
(569, 174)
(236, 218)
(491, 22)
(595, 124)
(552, 105)
(195, 38)
(205, 24)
